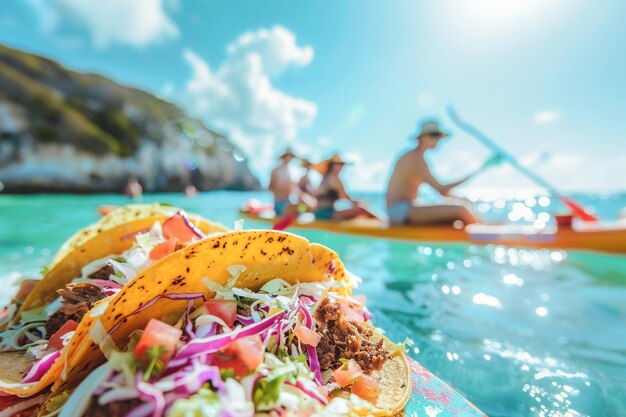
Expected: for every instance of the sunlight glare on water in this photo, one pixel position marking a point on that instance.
(518, 332)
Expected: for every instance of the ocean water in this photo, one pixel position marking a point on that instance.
(517, 332)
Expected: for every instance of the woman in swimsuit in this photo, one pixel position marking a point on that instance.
(331, 189)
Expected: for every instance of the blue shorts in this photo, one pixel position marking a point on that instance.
(325, 213)
(280, 206)
(399, 212)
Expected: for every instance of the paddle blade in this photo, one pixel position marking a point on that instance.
(578, 210)
(285, 222)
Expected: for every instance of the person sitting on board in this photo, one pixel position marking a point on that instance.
(285, 188)
(282, 184)
(410, 172)
(305, 181)
(332, 189)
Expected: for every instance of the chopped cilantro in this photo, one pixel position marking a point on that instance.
(155, 366)
(226, 373)
(43, 271)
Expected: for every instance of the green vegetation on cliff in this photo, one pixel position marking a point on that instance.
(89, 111)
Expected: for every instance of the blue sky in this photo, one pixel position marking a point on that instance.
(543, 78)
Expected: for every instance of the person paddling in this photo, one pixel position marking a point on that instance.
(332, 189)
(410, 172)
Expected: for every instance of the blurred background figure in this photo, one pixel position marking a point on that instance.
(305, 181)
(332, 189)
(133, 188)
(190, 191)
(410, 172)
(282, 184)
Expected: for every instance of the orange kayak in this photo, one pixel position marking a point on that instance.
(601, 238)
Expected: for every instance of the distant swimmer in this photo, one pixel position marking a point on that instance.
(410, 172)
(332, 189)
(190, 190)
(133, 189)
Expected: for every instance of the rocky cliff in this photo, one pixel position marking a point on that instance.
(64, 131)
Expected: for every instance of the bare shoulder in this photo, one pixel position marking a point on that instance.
(410, 159)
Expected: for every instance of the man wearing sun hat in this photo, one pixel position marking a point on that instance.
(409, 173)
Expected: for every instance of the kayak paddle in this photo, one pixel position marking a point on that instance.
(286, 221)
(578, 210)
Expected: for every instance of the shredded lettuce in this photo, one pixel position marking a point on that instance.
(235, 271)
(221, 292)
(34, 314)
(102, 338)
(235, 401)
(125, 363)
(205, 403)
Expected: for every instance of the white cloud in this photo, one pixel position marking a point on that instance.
(238, 95)
(567, 171)
(546, 116)
(276, 46)
(364, 174)
(137, 23)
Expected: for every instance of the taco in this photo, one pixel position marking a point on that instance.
(124, 243)
(113, 234)
(244, 323)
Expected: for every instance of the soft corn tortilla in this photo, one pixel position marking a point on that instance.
(264, 254)
(113, 234)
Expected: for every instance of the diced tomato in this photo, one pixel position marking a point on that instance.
(352, 314)
(106, 209)
(55, 341)
(181, 227)
(360, 298)
(25, 288)
(365, 387)
(242, 355)
(163, 249)
(158, 334)
(306, 335)
(347, 374)
(224, 309)
(9, 400)
(224, 361)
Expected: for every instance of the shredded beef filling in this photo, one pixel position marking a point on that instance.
(343, 338)
(103, 273)
(78, 299)
(112, 409)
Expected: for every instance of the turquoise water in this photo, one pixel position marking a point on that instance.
(518, 332)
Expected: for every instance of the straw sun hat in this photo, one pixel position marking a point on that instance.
(322, 167)
(431, 128)
(288, 152)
